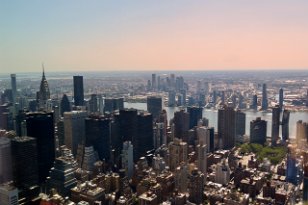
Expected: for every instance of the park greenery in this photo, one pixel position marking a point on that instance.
(274, 154)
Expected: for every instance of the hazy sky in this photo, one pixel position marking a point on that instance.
(153, 35)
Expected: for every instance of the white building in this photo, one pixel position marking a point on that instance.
(222, 173)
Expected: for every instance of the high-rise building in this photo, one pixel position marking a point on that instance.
(240, 123)
(78, 91)
(275, 124)
(40, 125)
(65, 105)
(160, 135)
(285, 125)
(195, 114)
(43, 95)
(205, 136)
(25, 164)
(93, 104)
(112, 104)
(171, 98)
(264, 98)
(14, 88)
(181, 124)
(226, 127)
(97, 134)
(222, 173)
(202, 158)
(74, 129)
(8, 194)
(62, 175)
(258, 130)
(5, 160)
(154, 105)
(301, 131)
(128, 158)
(280, 99)
(144, 140)
(196, 187)
(154, 86)
(254, 103)
(178, 152)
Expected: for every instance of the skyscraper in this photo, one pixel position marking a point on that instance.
(275, 124)
(5, 160)
(144, 140)
(97, 134)
(14, 88)
(25, 164)
(181, 124)
(171, 98)
(254, 104)
(226, 127)
(93, 104)
(154, 86)
(195, 114)
(43, 95)
(264, 98)
(65, 105)
(285, 125)
(40, 125)
(74, 129)
(258, 130)
(240, 123)
(154, 105)
(78, 91)
(280, 99)
(128, 158)
(196, 186)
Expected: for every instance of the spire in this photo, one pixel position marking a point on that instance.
(43, 71)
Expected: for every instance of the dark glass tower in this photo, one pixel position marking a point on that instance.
(65, 105)
(13, 85)
(280, 99)
(97, 132)
(40, 125)
(254, 104)
(264, 98)
(144, 139)
(285, 125)
(78, 91)
(258, 129)
(240, 123)
(25, 166)
(181, 124)
(195, 114)
(154, 105)
(275, 124)
(227, 127)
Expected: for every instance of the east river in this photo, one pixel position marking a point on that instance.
(250, 115)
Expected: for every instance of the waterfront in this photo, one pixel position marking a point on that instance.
(250, 115)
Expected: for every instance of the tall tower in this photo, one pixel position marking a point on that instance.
(128, 158)
(275, 124)
(78, 91)
(264, 98)
(5, 160)
(154, 82)
(202, 158)
(65, 105)
(43, 95)
(285, 125)
(196, 186)
(154, 105)
(280, 99)
(254, 104)
(181, 124)
(195, 114)
(40, 125)
(74, 129)
(227, 127)
(258, 129)
(14, 89)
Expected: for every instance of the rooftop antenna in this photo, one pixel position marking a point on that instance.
(43, 69)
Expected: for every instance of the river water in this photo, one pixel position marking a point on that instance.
(212, 115)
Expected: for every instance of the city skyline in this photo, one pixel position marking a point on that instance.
(122, 36)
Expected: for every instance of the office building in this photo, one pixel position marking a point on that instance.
(285, 125)
(93, 104)
(65, 105)
(154, 105)
(171, 99)
(196, 187)
(240, 123)
(195, 115)
(275, 124)
(301, 131)
(181, 122)
(178, 152)
(258, 130)
(280, 99)
(13, 87)
(5, 160)
(8, 194)
(78, 91)
(112, 104)
(264, 98)
(74, 129)
(62, 176)
(202, 158)
(226, 127)
(154, 85)
(25, 162)
(222, 173)
(40, 125)
(43, 95)
(128, 159)
(97, 134)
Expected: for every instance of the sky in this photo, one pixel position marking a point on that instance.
(118, 35)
